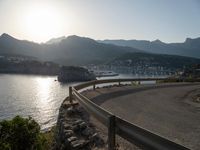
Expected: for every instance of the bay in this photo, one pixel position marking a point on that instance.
(32, 95)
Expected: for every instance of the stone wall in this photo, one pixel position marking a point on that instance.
(74, 129)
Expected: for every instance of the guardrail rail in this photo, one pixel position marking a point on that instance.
(118, 126)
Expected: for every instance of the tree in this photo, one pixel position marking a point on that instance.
(21, 134)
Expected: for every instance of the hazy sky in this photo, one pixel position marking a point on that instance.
(40, 20)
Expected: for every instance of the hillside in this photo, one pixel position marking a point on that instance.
(75, 50)
(80, 50)
(27, 65)
(149, 60)
(12, 46)
(191, 47)
(72, 50)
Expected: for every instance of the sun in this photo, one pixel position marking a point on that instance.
(43, 21)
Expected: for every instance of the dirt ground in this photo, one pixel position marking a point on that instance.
(168, 110)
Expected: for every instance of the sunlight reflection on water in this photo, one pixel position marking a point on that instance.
(27, 95)
(37, 96)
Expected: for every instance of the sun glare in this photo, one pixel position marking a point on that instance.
(43, 21)
(44, 88)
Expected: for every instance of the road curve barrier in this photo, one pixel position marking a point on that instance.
(118, 126)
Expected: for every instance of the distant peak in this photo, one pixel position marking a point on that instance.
(5, 35)
(158, 41)
(56, 40)
(190, 40)
(187, 40)
(75, 37)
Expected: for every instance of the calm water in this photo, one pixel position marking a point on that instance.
(37, 96)
(29, 95)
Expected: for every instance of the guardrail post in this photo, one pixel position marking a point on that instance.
(111, 133)
(94, 87)
(70, 94)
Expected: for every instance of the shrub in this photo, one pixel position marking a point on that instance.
(21, 134)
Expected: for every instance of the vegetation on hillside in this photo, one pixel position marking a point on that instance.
(144, 59)
(22, 134)
(72, 50)
(25, 65)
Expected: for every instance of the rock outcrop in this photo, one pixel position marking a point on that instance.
(72, 74)
(74, 131)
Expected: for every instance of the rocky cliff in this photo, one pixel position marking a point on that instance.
(71, 74)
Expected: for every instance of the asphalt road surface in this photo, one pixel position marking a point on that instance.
(168, 110)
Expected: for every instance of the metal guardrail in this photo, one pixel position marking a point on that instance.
(97, 111)
(96, 82)
(143, 137)
(116, 125)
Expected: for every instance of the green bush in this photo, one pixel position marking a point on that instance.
(21, 134)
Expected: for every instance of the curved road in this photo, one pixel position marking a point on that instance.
(165, 109)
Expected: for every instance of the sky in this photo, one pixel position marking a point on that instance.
(41, 20)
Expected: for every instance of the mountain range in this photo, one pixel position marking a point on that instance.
(75, 50)
(72, 50)
(189, 48)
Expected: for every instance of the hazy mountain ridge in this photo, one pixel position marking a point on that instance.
(191, 47)
(55, 40)
(73, 50)
(80, 50)
(10, 45)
